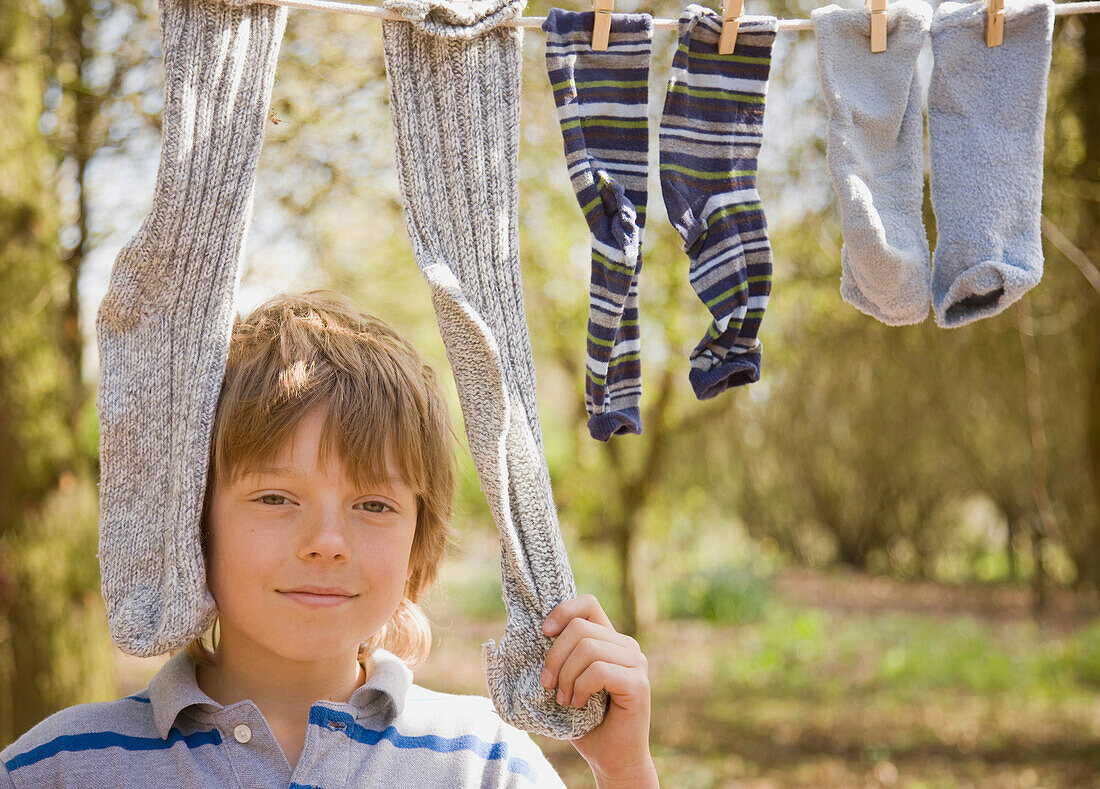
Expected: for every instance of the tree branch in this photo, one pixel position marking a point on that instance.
(1078, 258)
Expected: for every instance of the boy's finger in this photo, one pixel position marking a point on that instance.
(626, 686)
(584, 607)
(587, 653)
(573, 633)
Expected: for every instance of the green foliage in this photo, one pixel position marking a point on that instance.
(719, 594)
(1083, 654)
(819, 655)
(57, 569)
(481, 599)
(55, 621)
(812, 654)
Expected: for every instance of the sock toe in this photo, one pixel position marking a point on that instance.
(612, 423)
(982, 291)
(736, 369)
(896, 293)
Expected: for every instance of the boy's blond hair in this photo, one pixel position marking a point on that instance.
(297, 352)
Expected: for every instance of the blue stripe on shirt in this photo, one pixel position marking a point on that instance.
(98, 740)
(320, 716)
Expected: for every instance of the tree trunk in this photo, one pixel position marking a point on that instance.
(86, 139)
(43, 621)
(1046, 525)
(849, 548)
(636, 592)
(1012, 528)
(1088, 110)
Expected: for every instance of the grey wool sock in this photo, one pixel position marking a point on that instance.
(876, 156)
(986, 114)
(163, 326)
(454, 82)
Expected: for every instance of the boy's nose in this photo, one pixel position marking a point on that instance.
(324, 538)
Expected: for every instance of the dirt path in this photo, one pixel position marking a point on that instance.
(867, 594)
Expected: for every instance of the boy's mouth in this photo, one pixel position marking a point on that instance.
(318, 596)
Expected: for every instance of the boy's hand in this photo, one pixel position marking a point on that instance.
(589, 656)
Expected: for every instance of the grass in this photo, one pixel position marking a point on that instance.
(778, 684)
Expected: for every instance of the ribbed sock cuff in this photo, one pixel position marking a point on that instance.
(561, 22)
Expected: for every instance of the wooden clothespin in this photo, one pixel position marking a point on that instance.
(601, 30)
(731, 20)
(878, 25)
(995, 23)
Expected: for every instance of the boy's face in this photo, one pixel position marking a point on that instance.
(303, 564)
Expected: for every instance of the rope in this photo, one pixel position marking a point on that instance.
(334, 6)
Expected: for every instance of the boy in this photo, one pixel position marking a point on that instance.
(329, 490)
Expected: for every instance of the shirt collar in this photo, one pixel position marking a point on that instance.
(384, 692)
(175, 688)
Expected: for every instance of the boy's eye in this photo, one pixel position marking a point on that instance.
(375, 506)
(281, 499)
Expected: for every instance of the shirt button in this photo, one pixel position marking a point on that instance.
(242, 733)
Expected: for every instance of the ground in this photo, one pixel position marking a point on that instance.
(850, 680)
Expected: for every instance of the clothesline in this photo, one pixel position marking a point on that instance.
(334, 6)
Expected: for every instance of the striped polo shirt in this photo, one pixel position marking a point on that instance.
(390, 733)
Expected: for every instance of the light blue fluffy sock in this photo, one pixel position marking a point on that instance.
(876, 156)
(986, 113)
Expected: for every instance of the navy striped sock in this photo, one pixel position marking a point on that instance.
(602, 100)
(710, 138)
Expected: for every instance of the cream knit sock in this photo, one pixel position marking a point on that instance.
(454, 81)
(163, 327)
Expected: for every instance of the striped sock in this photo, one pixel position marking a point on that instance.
(710, 137)
(602, 100)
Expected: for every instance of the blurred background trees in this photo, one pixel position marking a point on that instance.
(961, 456)
(53, 650)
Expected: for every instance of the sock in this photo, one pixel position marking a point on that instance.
(454, 82)
(602, 100)
(876, 157)
(986, 113)
(710, 138)
(163, 326)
